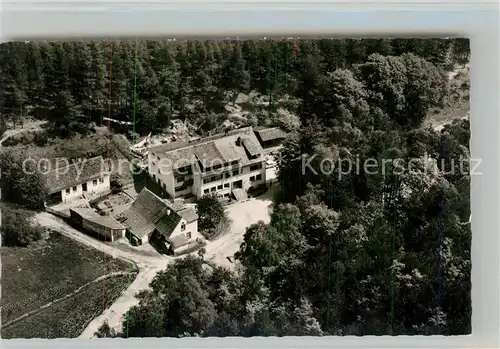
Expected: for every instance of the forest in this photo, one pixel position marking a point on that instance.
(345, 253)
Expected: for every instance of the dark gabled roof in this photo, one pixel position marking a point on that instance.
(189, 214)
(150, 212)
(269, 134)
(74, 174)
(167, 224)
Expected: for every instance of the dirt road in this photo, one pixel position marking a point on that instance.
(28, 125)
(242, 214)
(148, 267)
(114, 315)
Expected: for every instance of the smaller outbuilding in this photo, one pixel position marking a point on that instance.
(107, 227)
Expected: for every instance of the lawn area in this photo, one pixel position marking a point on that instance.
(69, 317)
(47, 270)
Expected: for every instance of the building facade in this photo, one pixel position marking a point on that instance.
(71, 182)
(150, 215)
(105, 226)
(218, 165)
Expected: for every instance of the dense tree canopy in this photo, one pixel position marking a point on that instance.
(350, 250)
(151, 82)
(21, 182)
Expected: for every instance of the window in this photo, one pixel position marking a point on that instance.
(159, 171)
(74, 188)
(68, 191)
(252, 178)
(258, 178)
(189, 182)
(228, 174)
(256, 166)
(212, 189)
(212, 179)
(94, 182)
(219, 187)
(154, 163)
(188, 235)
(183, 226)
(205, 191)
(226, 195)
(153, 154)
(236, 172)
(226, 185)
(158, 157)
(101, 180)
(179, 179)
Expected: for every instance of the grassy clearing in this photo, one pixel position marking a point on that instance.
(457, 104)
(47, 270)
(78, 146)
(69, 317)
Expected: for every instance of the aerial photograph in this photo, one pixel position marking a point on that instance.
(235, 187)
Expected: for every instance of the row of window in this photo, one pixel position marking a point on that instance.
(219, 177)
(256, 166)
(219, 187)
(94, 183)
(256, 178)
(216, 167)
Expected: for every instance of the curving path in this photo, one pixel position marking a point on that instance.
(148, 267)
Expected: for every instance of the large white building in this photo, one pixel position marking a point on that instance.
(221, 164)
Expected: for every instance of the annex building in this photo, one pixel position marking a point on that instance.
(226, 164)
(87, 177)
(150, 215)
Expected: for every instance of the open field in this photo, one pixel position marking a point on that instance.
(457, 104)
(48, 270)
(69, 317)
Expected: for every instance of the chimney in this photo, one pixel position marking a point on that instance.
(238, 142)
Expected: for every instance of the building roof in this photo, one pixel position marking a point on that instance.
(177, 205)
(74, 174)
(163, 148)
(189, 214)
(208, 154)
(269, 134)
(167, 224)
(252, 146)
(214, 150)
(182, 157)
(92, 216)
(150, 212)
